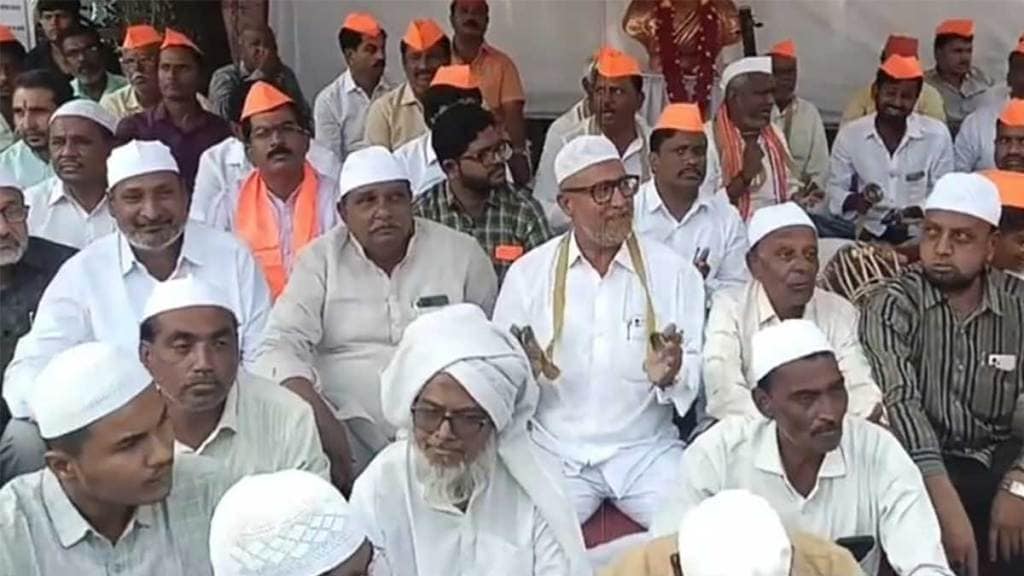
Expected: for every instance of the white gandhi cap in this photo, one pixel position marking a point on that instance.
(581, 153)
(771, 218)
(762, 64)
(785, 342)
(83, 384)
(288, 523)
(734, 533)
(137, 158)
(89, 110)
(970, 194)
(370, 165)
(187, 292)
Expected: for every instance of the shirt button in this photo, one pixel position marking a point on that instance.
(959, 367)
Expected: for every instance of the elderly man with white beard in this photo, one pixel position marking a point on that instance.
(99, 294)
(465, 492)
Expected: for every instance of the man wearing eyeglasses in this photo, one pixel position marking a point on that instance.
(465, 490)
(284, 203)
(26, 266)
(476, 198)
(83, 50)
(622, 319)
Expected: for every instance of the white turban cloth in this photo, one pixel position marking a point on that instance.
(491, 365)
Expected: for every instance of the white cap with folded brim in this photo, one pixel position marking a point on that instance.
(287, 523)
(762, 64)
(734, 533)
(187, 292)
(137, 158)
(581, 153)
(7, 180)
(771, 218)
(370, 165)
(83, 384)
(785, 342)
(89, 110)
(970, 194)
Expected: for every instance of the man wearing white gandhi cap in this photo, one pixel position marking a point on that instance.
(71, 207)
(824, 472)
(113, 497)
(747, 154)
(189, 343)
(465, 491)
(289, 523)
(783, 262)
(99, 294)
(617, 320)
(945, 342)
(353, 291)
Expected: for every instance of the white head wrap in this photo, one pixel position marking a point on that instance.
(751, 64)
(490, 364)
(367, 166)
(583, 152)
(83, 384)
(187, 292)
(137, 158)
(83, 108)
(771, 218)
(970, 194)
(785, 342)
(7, 180)
(287, 523)
(734, 533)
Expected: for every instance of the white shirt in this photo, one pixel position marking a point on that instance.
(545, 189)
(804, 131)
(764, 195)
(43, 534)
(737, 313)
(340, 317)
(224, 167)
(339, 113)
(259, 413)
(420, 161)
(55, 215)
(868, 486)
(711, 223)
(502, 533)
(603, 405)
(975, 147)
(859, 158)
(99, 294)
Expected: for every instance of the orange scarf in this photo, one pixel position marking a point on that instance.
(256, 224)
(730, 149)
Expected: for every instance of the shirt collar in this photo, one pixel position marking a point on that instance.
(236, 153)
(589, 125)
(768, 459)
(408, 97)
(189, 251)
(483, 52)
(68, 523)
(991, 299)
(653, 203)
(914, 131)
(59, 193)
(493, 199)
(766, 312)
(621, 257)
(228, 418)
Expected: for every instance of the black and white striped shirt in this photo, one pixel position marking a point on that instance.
(950, 386)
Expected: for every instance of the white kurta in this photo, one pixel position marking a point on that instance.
(801, 124)
(975, 146)
(55, 215)
(339, 113)
(603, 411)
(100, 293)
(868, 486)
(501, 533)
(420, 162)
(711, 223)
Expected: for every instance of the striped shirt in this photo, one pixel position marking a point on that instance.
(512, 224)
(951, 385)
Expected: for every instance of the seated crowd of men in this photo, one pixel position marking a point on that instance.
(246, 335)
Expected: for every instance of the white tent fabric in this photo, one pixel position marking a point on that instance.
(839, 40)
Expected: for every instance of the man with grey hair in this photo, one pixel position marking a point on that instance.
(100, 293)
(465, 487)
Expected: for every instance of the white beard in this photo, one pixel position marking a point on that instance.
(140, 244)
(13, 255)
(445, 486)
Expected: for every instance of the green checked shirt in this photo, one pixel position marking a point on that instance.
(512, 223)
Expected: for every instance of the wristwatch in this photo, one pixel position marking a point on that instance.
(1014, 487)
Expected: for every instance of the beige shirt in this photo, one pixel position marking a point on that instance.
(801, 124)
(340, 317)
(960, 101)
(259, 414)
(43, 534)
(929, 103)
(395, 118)
(737, 313)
